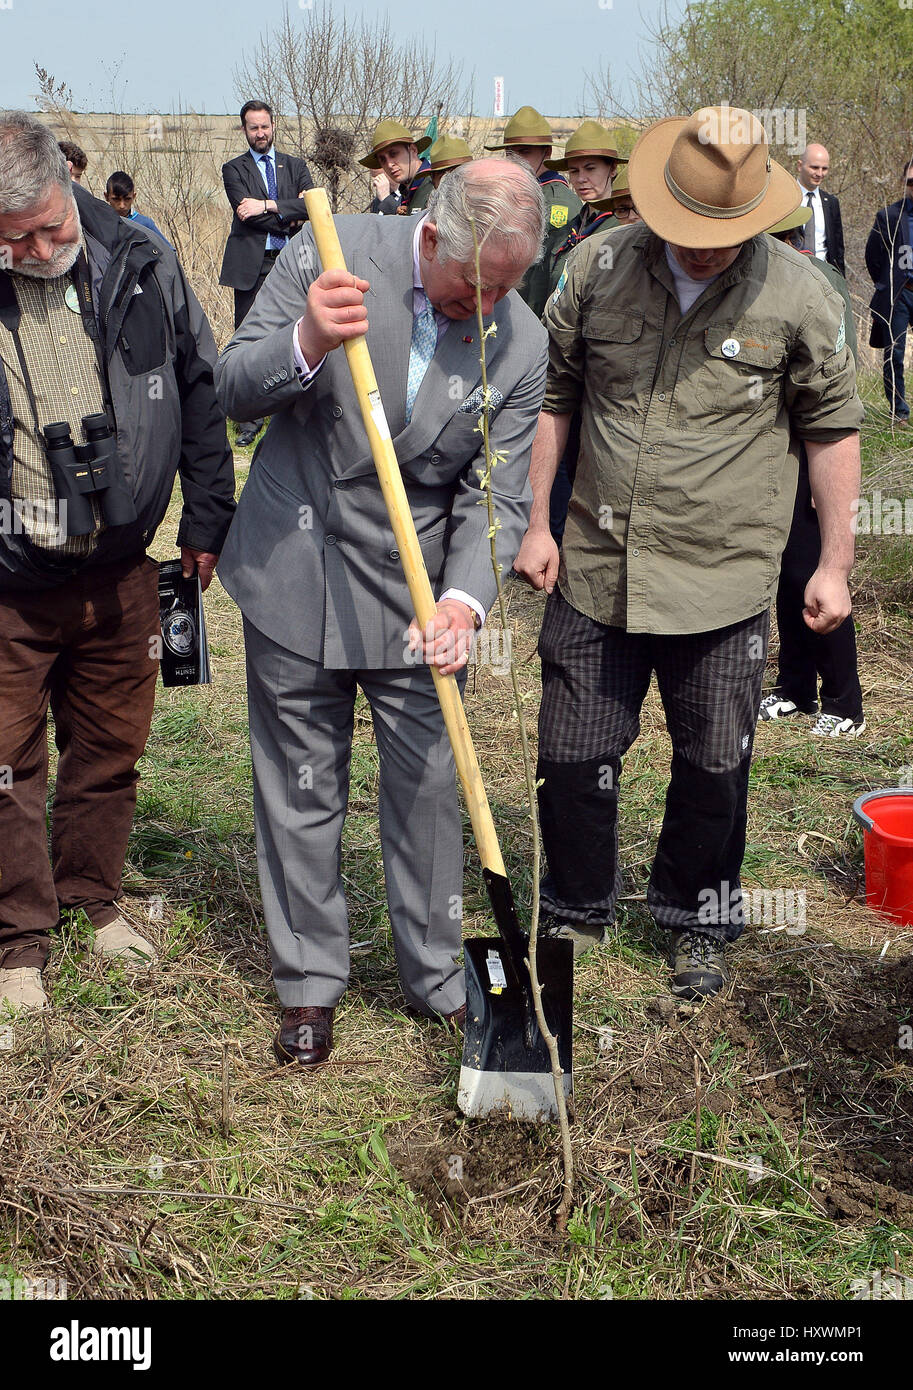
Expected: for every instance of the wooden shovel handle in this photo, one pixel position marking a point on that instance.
(394, 493)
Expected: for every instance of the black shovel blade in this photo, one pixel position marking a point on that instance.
(506, 1071)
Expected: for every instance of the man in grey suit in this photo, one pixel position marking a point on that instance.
(310, 562)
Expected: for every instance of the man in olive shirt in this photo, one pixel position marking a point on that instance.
(692, 352)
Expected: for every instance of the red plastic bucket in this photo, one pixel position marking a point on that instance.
(887, 821)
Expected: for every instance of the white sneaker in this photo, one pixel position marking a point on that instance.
(22, 988)
(832, 726)
(777, 707)
(118, 941)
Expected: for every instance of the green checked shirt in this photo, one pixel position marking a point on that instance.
(686, 477)
(61, 362)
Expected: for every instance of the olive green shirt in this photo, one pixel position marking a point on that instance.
(561, 207)
(686, 476)
(833, 277)
(421, 195)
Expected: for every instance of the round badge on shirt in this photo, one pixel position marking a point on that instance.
(71, 298)
(731, 347)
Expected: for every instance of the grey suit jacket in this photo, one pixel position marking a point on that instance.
(310, 558)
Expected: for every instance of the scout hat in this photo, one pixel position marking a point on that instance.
(707, 180)
(589, 138)
(448, 152)
(620, 187)
(392, 133)
(795, 219)
(527, 127)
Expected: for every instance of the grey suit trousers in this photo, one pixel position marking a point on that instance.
(301, 721)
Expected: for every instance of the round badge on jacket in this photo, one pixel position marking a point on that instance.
(731, 347)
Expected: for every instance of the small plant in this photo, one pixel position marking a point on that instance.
(492, 459)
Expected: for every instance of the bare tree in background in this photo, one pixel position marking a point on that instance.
(321, 72)
(172, 160)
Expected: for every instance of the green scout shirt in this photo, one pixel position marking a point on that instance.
(419, 198)
(561, 207)
(581, 228)
(686, 477)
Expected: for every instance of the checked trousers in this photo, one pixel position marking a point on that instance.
(594, 681)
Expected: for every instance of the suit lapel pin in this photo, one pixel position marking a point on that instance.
(467, 340)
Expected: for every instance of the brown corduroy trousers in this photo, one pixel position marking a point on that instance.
(89, 649)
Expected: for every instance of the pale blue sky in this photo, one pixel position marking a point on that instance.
(184, 50)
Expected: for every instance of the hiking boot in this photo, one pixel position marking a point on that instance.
(583, 937)
(698, 967)
(776, 706)
(832, 726)
(22, 989)
(118, 941)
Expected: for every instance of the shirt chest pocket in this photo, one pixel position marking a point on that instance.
(614, 343)
(740, 376)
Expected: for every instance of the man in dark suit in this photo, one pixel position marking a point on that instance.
(264, 188)
(311, 565)
(889, 261)
(824, 232)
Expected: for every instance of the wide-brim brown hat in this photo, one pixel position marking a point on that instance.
(591, 138)
(448, 153)
(526, 127)
(795, 219)
(392, 133)
(707, 181)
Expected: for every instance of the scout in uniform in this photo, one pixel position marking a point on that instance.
(621, 202)
(591, 161)
(447, 153)
(695, 365)
(399, 155)
(528, 136)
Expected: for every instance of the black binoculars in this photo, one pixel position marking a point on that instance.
(84, 471)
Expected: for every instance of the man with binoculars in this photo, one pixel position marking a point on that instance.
(106, 393)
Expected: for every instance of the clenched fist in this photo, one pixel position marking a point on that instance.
(335, 312)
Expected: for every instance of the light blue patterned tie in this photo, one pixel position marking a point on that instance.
(424, 341)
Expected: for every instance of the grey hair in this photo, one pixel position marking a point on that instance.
(507, 216)
(30, 162)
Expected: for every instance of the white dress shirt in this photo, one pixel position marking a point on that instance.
(818, 207)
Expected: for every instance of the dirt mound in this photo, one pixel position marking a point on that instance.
(467, 1162)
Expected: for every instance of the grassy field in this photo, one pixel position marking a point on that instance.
(150, 1148)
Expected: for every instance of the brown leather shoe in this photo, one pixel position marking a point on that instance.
(305, 1036)
(457, 1019)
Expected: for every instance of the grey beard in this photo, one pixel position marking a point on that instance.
(63, 259)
